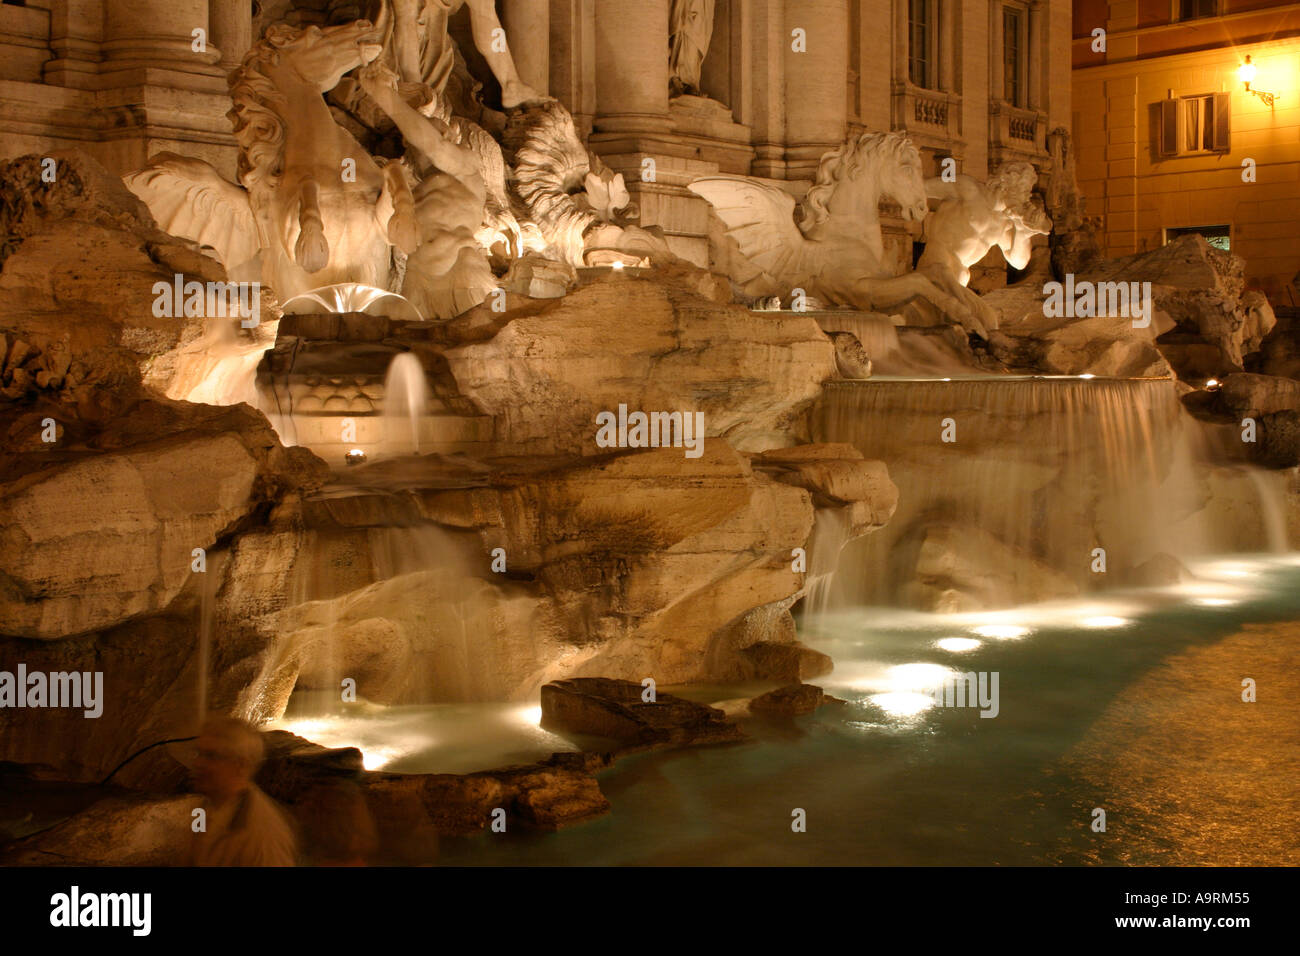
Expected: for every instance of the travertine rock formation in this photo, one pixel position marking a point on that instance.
(81, 258)
(619, 710)
(100, 528)
(635, 565)
(550, 368)
(1202, 290)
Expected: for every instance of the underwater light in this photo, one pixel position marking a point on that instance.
(902, 704)
(1001, 632)
(957, 645)
(1104, 620)
(918, 676)
(532, 716)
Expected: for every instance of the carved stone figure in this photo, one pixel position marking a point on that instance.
(831, 245)
(426, 54)
(315, 207)
(690, 29)
(972, 218)
(449, 272)
(580, 210)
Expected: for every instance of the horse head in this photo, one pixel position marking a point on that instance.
(321, 55)
(852, 179)
(901, 177)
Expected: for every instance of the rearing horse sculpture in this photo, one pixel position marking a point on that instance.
(315, 209)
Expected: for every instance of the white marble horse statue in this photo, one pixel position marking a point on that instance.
(831, 245)
(314, 209)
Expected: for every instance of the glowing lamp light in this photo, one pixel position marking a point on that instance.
(1212, 384)
(1087, 375)
(617, 266)
(1246, 73)
(355, 457)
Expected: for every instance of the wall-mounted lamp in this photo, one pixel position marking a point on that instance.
(1246, 73)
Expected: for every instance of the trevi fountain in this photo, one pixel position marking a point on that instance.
(555, 464)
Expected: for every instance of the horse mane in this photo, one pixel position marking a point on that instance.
(846, 162)
(259, 128)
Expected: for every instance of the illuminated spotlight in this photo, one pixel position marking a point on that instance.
(1104, 620)
(1213, 601)
(1001, 632)
(355, 457)
(529, 715)
(957, 644)
(918, 677)
(378, 757)
(1211, 384)
(617, 266)
(902, 704)
(1087, 375)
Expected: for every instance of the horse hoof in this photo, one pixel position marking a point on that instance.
(312, 251)
(403, 232)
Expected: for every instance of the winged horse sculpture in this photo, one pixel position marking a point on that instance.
(831, 244)
(313, 208)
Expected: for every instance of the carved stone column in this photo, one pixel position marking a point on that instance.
(631, 64)
(815, 93)
(633, 129)
(232, 30)
(528, 30)
(157, 33)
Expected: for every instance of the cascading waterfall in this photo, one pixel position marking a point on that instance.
(406, 397)
(1047, 484)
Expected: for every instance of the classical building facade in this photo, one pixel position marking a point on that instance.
(1170, 137)
(667, 90)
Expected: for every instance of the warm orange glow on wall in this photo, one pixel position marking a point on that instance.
(1246, 73)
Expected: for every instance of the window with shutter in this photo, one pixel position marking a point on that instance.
(1221, 127)
(1168, 127)
(1195, 124)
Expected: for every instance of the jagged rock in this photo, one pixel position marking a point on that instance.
(838, 476)
(651, 346)
(1246, 394)
(791, 661)
(601, 707)
(119, 830)
(851, 358)
(1274, 403)
(1202, 290)
(952, 567)
(1073, 241)
(597, 550)
(1199, 302)
(100, 527)
(414, 809)
(1100, 345)
(80, 259)
(1279, 353)
(789, 701)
